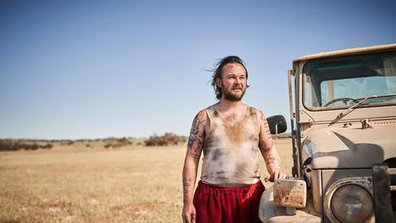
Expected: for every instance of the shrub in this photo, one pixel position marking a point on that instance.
(9, 145)
(165, 140)
(47, 146)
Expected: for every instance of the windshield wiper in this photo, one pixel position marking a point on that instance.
(349, 110)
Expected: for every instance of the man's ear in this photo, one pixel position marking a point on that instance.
(218, 82)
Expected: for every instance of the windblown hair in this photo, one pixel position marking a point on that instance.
(217, 72)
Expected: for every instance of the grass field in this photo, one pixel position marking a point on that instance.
(131, 184)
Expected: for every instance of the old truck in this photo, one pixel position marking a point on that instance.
(343, 125)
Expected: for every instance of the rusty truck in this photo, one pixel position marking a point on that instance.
(343, 130)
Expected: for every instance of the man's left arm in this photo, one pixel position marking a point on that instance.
(269, 152)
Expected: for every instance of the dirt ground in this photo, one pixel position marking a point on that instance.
(133, 184)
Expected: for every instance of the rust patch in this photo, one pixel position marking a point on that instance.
(290, 193)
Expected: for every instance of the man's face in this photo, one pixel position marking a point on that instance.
(233, 81)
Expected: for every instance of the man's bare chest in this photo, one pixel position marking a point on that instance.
(233, 117)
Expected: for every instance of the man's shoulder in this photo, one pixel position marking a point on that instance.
(251, 107)
(209, 108)
(254, 108)
(203, 112)
(258, 111)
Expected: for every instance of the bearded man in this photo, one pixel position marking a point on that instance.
(231, 135)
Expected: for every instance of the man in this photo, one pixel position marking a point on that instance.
(231, 135)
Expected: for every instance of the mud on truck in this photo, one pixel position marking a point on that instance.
(343, 125)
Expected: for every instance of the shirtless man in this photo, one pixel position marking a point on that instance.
(231, 135)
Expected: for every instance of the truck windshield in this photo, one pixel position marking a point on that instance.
(338, 84)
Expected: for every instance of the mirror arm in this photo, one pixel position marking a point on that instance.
(296, 172)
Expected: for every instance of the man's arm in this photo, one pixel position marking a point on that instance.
(194, 149)
(269, 152)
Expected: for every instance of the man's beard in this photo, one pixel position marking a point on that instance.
(230, 96)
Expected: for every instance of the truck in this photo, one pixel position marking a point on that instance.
(343, 136)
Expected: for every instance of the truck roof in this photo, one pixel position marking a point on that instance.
(347, 52)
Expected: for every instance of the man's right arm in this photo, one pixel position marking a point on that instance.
(193, 153)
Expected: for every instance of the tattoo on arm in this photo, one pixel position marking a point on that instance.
(264, 147)
(275, 162)
(193, 132)
(265, 135)
(266, 127)
(196, 129)
(186, 185)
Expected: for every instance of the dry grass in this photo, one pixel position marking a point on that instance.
(134, 184)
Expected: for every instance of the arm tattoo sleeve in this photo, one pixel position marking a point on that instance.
(195, 132)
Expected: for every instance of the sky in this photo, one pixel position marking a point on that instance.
(97, 69)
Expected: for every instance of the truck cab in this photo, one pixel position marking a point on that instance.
(343, 125)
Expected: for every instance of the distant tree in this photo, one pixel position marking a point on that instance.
(47, 146)
(165, 140)
(34, 147)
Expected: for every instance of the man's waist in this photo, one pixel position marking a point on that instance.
(230, 183)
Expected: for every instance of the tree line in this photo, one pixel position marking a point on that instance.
(8, 145)
(167, 139)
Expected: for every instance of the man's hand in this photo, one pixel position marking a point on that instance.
(189, 213)
(277, 174)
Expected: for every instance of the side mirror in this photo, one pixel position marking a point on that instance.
(277, 124)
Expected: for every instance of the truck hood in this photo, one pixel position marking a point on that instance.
(339, 147)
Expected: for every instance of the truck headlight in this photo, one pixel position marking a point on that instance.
(350, 201)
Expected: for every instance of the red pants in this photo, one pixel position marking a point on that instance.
(228, 204)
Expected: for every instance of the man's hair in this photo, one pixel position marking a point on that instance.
(217, 72)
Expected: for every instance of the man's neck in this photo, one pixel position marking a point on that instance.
(225, 104)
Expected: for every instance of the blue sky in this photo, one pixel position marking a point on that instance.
(96, 69)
